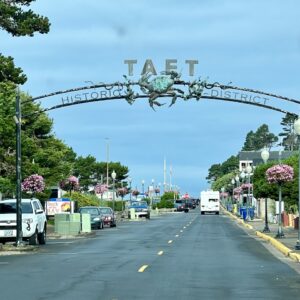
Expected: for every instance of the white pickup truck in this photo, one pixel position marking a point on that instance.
(210, 202)
(34, 221)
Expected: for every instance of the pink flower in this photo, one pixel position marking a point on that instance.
(100, 188)
(246, 186)
(72, 183)
(280, 174)
(34, 183)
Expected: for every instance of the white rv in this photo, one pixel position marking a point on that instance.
(210, 202)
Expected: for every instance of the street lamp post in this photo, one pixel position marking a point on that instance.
(237, 180)
(18, 170)
(143, 187)
(152, 191)
(222, 191)
(233, 183)
(248, 170)
(265, 156)
(297, 130)
(113, 176)
(130, 180)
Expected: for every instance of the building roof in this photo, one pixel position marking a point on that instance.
(255, 156)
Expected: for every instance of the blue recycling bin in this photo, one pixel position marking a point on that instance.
(244, 213)
(251, 212)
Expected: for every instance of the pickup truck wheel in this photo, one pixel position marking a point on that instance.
(42, 237)
(33, 240)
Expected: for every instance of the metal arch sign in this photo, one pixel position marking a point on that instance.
(168, 84)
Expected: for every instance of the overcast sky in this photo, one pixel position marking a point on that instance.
(254, 44)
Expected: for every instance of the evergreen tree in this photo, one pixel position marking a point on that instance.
(256, 141)
(289, 139)
(18, 21)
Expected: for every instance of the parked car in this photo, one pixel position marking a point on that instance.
(181, 205)
(141, 209)
(34, 221)
(108, 216)
(191, 203)
(96, 216)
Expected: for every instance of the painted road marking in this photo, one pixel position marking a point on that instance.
(160, 253)
(3, 263)
(142, 268)
(184, 227)
(177, 235)
(181, 230)
(170, 242)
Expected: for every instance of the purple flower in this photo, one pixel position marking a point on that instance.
(246, 186)
(34, 184)
(280, 174)
(69, 184)
(100, 188)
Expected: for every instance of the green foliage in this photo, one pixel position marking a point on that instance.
(42, 153)
(18, 21)
(218, 170)
(224, 181)
(259, 139)
(289, 140)
(165, 203)
(10, 73)
(84, 199)
(169, 196)
(262, 189)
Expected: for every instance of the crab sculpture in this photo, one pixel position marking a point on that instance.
(160, 85)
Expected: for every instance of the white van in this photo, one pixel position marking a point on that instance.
(210, 202)
(34, 222)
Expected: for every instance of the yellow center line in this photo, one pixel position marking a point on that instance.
(160, 253)
(170, 242)
(142, 268)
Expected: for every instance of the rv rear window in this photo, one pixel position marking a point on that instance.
(213, 200)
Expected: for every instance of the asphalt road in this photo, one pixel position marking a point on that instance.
(177, 256)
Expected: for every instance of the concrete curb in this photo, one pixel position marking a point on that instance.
(275, 243)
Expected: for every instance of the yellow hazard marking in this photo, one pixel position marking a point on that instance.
(142, 268)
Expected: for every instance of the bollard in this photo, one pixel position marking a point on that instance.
(132, 214)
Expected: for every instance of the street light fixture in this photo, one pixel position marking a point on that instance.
(297, 130)
(232, 182)
(130, 180)
(265, 156)
(143, 187)
(249, 171)
(113, 176)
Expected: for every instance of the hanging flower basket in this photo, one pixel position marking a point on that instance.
(122, 192)
(280, 174)
(237, 191)
(135, 192)
(100, 189)
(34, 184)
(246, 186)
(70, 184)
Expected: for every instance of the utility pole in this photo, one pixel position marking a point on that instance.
(107, 161)
(18, 120)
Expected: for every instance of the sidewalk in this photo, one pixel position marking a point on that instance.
(286, 244)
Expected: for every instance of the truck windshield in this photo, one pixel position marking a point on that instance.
(10, 208)
(213, 200)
